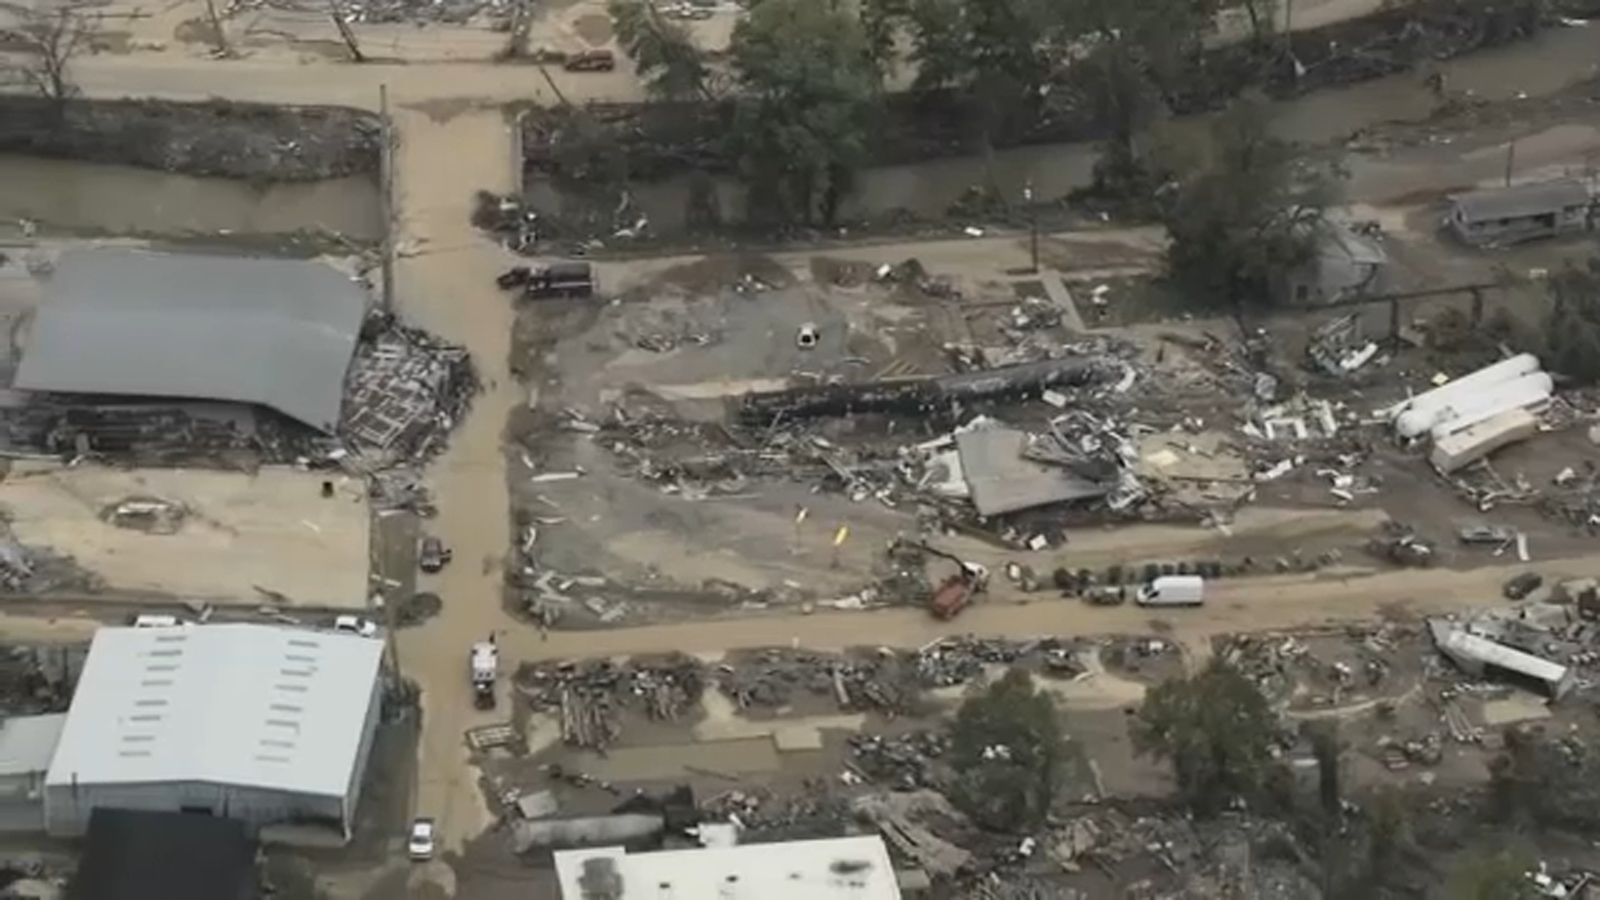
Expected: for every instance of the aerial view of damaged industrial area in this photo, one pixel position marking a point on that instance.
(800, 449)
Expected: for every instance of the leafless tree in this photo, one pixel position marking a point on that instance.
(41, 45)
(219, 35)
(346, 33)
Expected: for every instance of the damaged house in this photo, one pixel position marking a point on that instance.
(1345, 264)
(1521, 212)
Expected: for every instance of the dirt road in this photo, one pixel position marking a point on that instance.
(1232, 606)
(448, 287)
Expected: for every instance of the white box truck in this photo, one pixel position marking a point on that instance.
(1173, 590)
(485, 668)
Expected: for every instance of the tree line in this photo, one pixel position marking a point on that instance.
(807, 77)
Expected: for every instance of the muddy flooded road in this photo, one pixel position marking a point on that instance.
(64, 195)
(1544, 65)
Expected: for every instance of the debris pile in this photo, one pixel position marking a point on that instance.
(590, 696)
(406, 390)
(34, 570)
(903, 761)
(885, 680)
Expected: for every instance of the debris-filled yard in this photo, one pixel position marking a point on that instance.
(215, 500)
(746, 433)
(793, 743)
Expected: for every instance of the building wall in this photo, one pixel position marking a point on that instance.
(358, 772)
(1330, 277)
(1565, 220)
(67, 807)
(22, 802)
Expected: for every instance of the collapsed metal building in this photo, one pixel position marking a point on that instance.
(277, 333)
(164, 357)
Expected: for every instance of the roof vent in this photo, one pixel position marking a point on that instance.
(600, 879)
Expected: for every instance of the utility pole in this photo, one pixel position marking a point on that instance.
(386, 192)
(1511, 159)
(1033, 226)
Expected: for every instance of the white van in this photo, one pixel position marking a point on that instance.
(1173, 590)
(156, 621)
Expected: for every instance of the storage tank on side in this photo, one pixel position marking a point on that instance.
(1419, 414)
(1529, 390)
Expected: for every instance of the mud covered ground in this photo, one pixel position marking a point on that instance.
(657, 140)
(217, 139)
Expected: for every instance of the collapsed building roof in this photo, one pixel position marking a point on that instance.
(129, 322)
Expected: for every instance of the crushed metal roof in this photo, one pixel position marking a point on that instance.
(1001, 480)
(131, 322)
(1519, 200)
(239, 704)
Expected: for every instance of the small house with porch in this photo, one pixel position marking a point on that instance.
(1521, 212)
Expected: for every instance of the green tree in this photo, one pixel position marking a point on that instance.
(809, 98)
(1141, 57)
(1007, 750)
(998, 54)
(881, 20)
(663, 52)
(1246, 212)
(1572, 327)
(1217, 731)
(1494, 876)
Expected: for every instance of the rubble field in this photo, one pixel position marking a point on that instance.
(736, 434)
(797, 743)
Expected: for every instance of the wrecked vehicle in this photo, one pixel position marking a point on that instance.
(591, 61)
(1522, 585)
(434, 555)
(1105, 595)
(1492, 535)
(567, 278)
(955, 593)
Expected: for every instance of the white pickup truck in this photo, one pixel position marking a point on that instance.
(485, 669)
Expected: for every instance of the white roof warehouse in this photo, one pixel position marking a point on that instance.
(260, 723)
(851, 868)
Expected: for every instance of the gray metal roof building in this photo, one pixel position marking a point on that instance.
(1515, 201)
(261, 723)
(129, 322)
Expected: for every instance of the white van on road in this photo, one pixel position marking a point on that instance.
(1173, 590)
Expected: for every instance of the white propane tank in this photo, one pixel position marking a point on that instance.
(1419, 414)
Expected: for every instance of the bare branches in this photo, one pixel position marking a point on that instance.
(40, 46)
